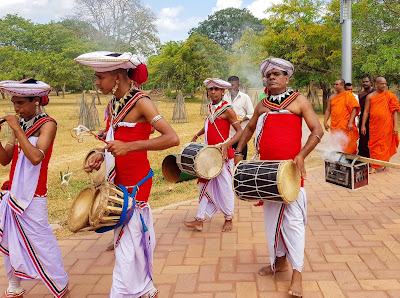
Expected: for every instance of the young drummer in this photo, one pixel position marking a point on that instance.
(217, 194)
(131, 117)
(27, 241)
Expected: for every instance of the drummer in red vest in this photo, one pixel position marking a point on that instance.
(217, 194)
(131, 116)
(277, 121)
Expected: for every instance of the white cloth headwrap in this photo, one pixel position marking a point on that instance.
(18, 88)
(102, 61)
(210, 83)
(276, 63)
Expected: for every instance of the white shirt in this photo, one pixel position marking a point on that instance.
(242, 106)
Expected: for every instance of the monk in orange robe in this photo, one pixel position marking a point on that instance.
(343, 107)
(382, 107)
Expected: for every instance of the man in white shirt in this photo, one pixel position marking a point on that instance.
(242, 106)
(349, 87)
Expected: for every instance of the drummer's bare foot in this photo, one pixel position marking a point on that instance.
(296, 289)
(227, 226)
(110, 246)
(372, 170)
(196, 224)
(280, 266)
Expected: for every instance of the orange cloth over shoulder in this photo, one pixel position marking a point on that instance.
(382, 142)
(341, 107)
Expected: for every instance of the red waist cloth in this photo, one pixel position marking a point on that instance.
(281, 137)
(213, 137)
(131, 168)
(41, 189)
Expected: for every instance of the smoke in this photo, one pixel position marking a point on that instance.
(330, 145)
(338, 140)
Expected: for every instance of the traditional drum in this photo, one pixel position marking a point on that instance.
(200, 160)
(107, 205)
(276, 181)
(171, 171)
(96, 177)
(79, 214)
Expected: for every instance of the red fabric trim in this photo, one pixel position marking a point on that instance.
(37, 125)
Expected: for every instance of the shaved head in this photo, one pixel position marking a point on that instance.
(380, 84)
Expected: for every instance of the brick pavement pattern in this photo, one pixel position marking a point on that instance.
(352, 249)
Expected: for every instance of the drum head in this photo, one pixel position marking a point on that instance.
(209, 162)
(79, 213)
(96, 177)
(289, 181)
(94, 213)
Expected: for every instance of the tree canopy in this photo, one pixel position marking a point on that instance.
(43, 51)
(225, 26)
(185, 65)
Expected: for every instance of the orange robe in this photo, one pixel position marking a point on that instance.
(382, 142)
(341, 107)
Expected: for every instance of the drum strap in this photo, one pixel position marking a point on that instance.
(126, 214)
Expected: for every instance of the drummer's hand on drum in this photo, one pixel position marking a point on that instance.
(95, 161)
(224, 150)
(118, 148)
(299, 161)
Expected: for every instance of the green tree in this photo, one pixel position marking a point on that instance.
(298, 31)
(185, 65)
(42, 51)
(376, 47)
(225, 26)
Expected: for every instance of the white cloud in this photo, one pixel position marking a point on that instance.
(171, 26)
(258, 7)
(222, 4)
(39, 11)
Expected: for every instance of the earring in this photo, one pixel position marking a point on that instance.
(115, 87)
(37, 108)
(133, 85)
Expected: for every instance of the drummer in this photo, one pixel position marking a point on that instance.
(277, 121)
(131, 117)
(27, 241)
(217, 194)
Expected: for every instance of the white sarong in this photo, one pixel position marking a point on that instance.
(27, 241)
(217, 194)
(134, 247)
(285, 230)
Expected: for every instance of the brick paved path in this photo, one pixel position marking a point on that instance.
(352, 249)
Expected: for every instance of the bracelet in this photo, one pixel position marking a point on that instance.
(11, 144)
(233, 123)
(155, 119)
(42, 153)
(238, 153)
(196, 136)
(317, 136)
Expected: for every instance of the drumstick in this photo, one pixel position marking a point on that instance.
(81, 130)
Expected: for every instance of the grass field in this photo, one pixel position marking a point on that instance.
(68, 155)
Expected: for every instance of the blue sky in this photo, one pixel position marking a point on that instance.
(174, 17)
